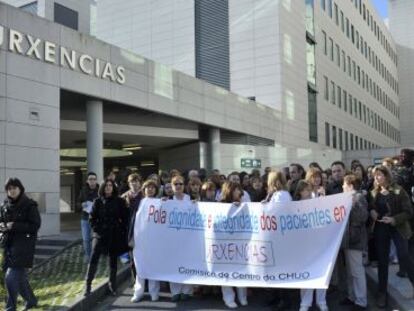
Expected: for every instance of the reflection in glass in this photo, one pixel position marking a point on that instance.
(310, 17)
(310, 61)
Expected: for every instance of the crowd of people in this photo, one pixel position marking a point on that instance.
(379, 228)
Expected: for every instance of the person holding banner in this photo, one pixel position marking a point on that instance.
(180, 291)
(232, 192)
(354, 243)
(390, 211)
(277, 188)
(150, 190)
(277, 192)
(304, 192)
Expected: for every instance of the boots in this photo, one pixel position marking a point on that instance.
(87, 289)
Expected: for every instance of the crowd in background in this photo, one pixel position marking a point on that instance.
(379, 229)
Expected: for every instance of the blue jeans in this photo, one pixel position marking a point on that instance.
(17, 283)
(86, 237)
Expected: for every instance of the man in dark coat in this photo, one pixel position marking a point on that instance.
(19, 223)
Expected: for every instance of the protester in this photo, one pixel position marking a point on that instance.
(149, 189)
(296, 173)
(19, 224)
(338, 173)
(390, 210)
(180, 291)
(277, 188)
(304, 192)
(354, 243)
(208, 192)
(168, 191)
(256, 190)
(109, 222)
(86, 197)
(235, 177)
(314, 178)
(232, 192)
(132, 198)
(277, 193)
(194, 188)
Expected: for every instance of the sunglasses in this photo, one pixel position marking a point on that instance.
(178, 184)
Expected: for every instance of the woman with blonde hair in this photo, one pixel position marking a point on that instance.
(277, 187)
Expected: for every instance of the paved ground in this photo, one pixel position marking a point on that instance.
(206, 303)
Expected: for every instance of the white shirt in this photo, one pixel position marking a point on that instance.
(185, 198)
(281, 197)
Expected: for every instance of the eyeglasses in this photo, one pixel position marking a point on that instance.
(92, 178)
(178, 184)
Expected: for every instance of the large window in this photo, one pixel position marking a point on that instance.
(327, 134)
(310, 17)
(333, 98)
(310, 62)
(326, 90)
(330, 8)
(312, 116)
(65, 16)
(334, 137)
(341, 146)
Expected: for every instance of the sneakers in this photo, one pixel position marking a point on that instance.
(323, 308)
(231, 304)
(243, 302)
(137, 298)
(382, 301)
(87, 290)
(302, 308)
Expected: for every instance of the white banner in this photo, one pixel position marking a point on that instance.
(291, 245)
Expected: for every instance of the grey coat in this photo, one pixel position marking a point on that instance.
(356, 236)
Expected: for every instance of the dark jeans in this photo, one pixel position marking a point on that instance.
(97, 250)
(17, 283)
(383, 234)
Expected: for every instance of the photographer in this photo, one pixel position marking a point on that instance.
(19, 223)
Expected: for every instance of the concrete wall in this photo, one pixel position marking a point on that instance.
(181, 158)
(29, 144)
(160, 30)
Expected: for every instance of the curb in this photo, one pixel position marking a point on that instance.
(87, 303)
(396, 301)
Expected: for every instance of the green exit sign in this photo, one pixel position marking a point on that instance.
(251, 163)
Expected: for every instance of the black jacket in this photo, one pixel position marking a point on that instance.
(334, 187)
(21, 237)
(109, 222)
(133, 205)
(87, 194)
